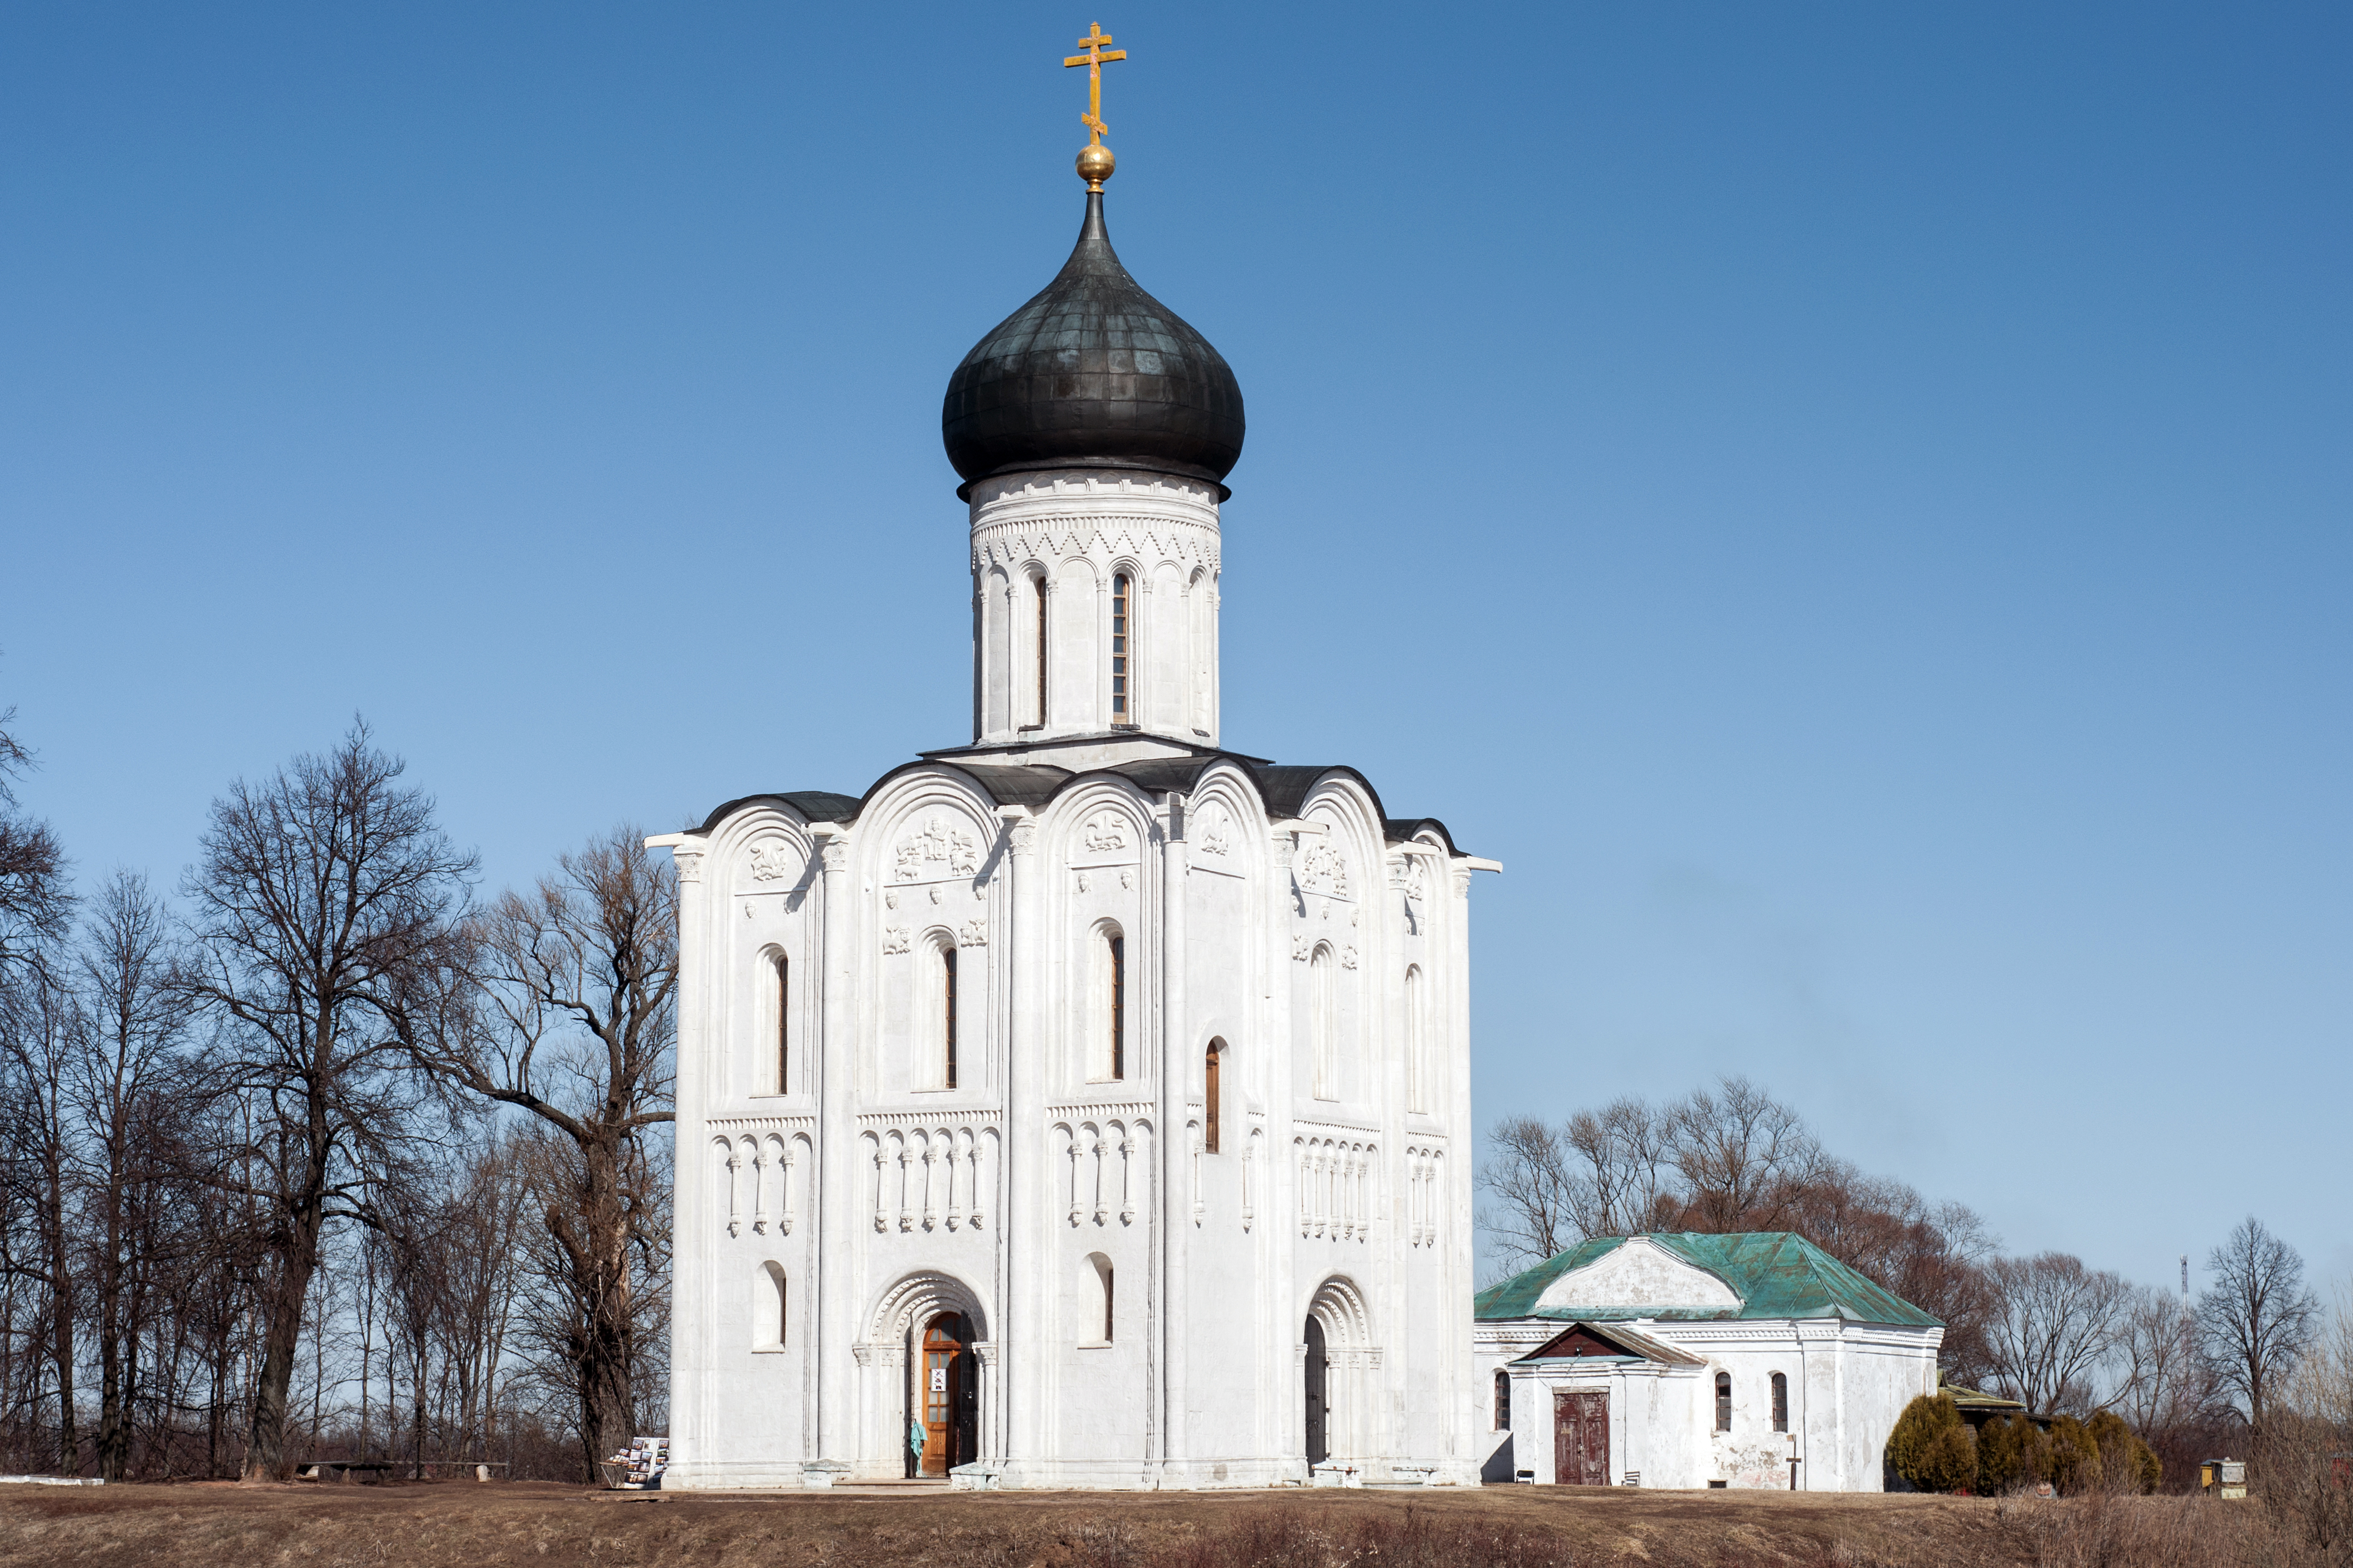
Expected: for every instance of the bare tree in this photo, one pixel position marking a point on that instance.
(323, 905)
(1741, 1155)
(2164, 1386)
(2256, 1319)
(576, 1026)
(1624, 1160)
(2055, 1323)
(40, 1026)
(136, 1014)
(1528, 1177)
(1932, 1255)
(36, 906)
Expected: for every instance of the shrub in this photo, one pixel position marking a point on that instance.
(2010, 1455)
(2074, 1459)
(2126, 1464)
(1950, 1465)
(1932, 1447)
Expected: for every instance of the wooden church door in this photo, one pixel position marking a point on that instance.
(949, 1394)
(1318, 1449)
(1580, 1440)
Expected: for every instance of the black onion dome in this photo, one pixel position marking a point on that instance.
(1093, 373)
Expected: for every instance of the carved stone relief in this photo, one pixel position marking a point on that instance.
(973, 934)
(1216, 832)
(1105, 830)
(772, 862)
(894, 939)
(934, 841)
(1323, 869)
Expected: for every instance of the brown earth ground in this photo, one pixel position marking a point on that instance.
(464, 1523)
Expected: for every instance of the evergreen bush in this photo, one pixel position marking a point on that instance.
(1923, 1451)
(2010, 1456)
(2126, 1463)
(2074, 1459)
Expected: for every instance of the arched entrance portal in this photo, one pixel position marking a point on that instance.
(1318, 1448)
(945, 1401)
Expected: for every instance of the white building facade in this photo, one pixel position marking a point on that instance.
(1086, 1105)
(1698, 1360)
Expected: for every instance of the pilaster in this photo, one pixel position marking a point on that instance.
(831, 1252)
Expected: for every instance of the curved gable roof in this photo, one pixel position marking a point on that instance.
(1282, 789)
(1775, 1273)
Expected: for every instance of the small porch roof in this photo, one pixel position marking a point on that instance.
(1634, 1346)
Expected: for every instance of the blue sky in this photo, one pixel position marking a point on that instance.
(1848, 504)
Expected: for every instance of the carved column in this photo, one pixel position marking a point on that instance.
(1457, 1193)
(831, 1247)
(1173, 1063)
(1022, 1389)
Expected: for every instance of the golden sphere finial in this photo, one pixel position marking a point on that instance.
(1095, 164)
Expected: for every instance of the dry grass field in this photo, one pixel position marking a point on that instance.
(463, 1523)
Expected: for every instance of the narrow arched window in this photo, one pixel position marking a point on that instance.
(1724, 1402)
(1417, 1044)
(1781, 1403)
(1210, 1117)
(1503, 1400)
(948, 1015)
(1116, 959)
(782, 1034)
(1120, 587)
(1039, 718)
(1322, 1028)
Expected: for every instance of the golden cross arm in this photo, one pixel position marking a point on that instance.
(1093, 60)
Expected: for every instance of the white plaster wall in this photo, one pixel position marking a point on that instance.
(1078, 529)
(900, 1200)
(1847, 1384)
(1638, 1272)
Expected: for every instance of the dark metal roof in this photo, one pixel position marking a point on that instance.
(1397, 831)
(814, 805)
(1282, 789)
(1094, 372)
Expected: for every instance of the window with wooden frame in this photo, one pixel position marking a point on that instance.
(948, 1015)
(771, 1015)
(781, 1036)
(1781, 1403)
(1503, 1400)
(1122, 586)
(1724, 1402)
(1117, 965)
(1037, 653)
(1105, 1029)
(1210, 1117)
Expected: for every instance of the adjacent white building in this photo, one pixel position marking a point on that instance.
(1698, 1360)
(1086, 1105)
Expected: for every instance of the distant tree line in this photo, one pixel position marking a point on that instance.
(326, 1158)
(2188, 1379)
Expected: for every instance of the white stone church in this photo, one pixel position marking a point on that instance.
(1087, 1105)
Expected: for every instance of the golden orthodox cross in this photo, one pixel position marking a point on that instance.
(1093, 60)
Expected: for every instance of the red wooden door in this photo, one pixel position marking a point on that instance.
(1580, 1440)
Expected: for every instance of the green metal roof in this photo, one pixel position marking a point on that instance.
(1776, 1274)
